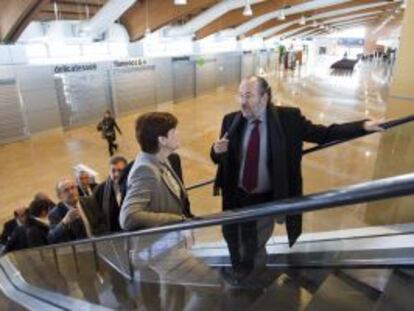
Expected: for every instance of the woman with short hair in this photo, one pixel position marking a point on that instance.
(155, 194)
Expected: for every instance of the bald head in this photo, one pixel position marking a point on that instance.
(254, 95)
(20, 214)
(66, 191)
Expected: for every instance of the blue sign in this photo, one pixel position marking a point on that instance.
(351, 41)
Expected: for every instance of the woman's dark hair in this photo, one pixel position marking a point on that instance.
(39, 206)
(152, 125)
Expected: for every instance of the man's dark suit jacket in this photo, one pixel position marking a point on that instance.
(8, 229)
(83, 194)
(59, 232)
(287, 130)
(111, 210)
(32, 234)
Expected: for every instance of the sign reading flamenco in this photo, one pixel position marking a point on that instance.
(130, 63)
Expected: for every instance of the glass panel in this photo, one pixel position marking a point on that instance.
(214, 268)
(373, 157)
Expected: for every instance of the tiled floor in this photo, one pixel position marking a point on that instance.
(36, 164)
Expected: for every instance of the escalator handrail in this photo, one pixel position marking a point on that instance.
(385, 188)
(385, 125)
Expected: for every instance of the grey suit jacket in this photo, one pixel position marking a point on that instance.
(150, 200)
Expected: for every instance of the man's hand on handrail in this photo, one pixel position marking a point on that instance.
(374, 125)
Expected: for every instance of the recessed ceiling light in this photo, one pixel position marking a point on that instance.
(247, 11)
(180, 2)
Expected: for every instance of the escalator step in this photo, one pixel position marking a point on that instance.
(337, 294)
(375, 278)
(284, 294)
(398, 294)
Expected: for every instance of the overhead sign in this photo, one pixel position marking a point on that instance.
(130, 62)
(75, 68)
(351, 41)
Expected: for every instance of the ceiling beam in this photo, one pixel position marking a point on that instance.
(91, 3)
(289, 18)
(340, 28)
(327, 21)
(160, 13)
(235, 18)
(72, 8)
(15, 16)
(336, 26)
(330, 15)
(45, 16)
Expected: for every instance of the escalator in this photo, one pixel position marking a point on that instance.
(186, 266)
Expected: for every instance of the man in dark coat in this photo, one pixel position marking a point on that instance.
(19, 218)
(34, 229)
(107, 127)
(108, 194)
(259, 157)
(74, 217)
(13, 236)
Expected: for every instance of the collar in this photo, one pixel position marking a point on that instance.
(153, 159)
(261, 118)
(70, 206)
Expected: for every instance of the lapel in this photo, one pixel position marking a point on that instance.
(168, 182)
(86, 215)
(277, 153)
(63, 209)
(236, 139)
(106, 205)
(183, 192)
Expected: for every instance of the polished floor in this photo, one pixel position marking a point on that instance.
(36, 164)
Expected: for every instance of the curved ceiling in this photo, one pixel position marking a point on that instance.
(15, 15)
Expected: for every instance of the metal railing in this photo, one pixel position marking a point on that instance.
(380, 189)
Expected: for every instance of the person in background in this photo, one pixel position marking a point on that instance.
(85, 183)
(34, 227)
(108, 194)
(107, 128)
(44, 196)
(37, 226)
(19, 217)
(18, 240)
(73, 217)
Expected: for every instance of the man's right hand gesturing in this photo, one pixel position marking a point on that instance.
(221, 146)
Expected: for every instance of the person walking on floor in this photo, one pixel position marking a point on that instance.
(107, 127)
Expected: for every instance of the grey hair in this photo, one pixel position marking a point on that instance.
(263, 85)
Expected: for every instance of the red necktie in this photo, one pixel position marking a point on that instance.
(251, 163)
